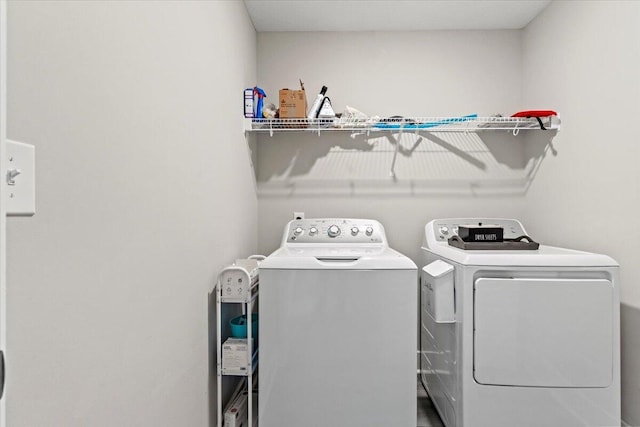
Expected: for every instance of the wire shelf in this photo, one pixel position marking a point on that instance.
(404, 124)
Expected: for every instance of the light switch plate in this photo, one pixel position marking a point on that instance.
(20, 179)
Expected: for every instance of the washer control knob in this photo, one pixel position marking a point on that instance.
(355, 231)
(333, 231)
(313, 231)
(444, 230)
(369, 231)
(297, 231)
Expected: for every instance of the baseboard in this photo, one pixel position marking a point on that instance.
(630, 365)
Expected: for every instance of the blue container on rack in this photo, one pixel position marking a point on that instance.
(239, 326)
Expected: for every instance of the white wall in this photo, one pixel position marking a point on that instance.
(583, 59)
(144, 192)
(436, 73)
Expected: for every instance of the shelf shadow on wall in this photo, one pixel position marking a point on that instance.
(473, 163)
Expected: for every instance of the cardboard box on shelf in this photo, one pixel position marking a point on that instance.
(236, 356)
(293, 104)
(237, 413)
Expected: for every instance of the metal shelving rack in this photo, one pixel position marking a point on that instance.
(374, 127)
(405, 124)
(248, 306)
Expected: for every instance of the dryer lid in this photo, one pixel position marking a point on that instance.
(545, 256)
(437, 233)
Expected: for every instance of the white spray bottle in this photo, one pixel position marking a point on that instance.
(315, 108)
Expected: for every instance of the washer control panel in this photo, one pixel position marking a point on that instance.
(335, 230)
(443, 229)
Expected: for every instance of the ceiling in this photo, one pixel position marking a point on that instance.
(392, 15)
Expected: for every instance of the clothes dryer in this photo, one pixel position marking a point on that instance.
(338, 328)
(515, 337)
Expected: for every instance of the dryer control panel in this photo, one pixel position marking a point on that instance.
(335, 230)
(443, 229)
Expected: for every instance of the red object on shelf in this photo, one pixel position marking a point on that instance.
(535, 113)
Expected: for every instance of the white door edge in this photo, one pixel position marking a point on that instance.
(3, 209)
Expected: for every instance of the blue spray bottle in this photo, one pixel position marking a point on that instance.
(261, 95)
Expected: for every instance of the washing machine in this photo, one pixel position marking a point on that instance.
(338, 328)
(517, 336)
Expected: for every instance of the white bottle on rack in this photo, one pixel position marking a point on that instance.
(248, 103)
(315, 108)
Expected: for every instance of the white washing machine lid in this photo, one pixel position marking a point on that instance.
(335, 244)
(347, 257)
